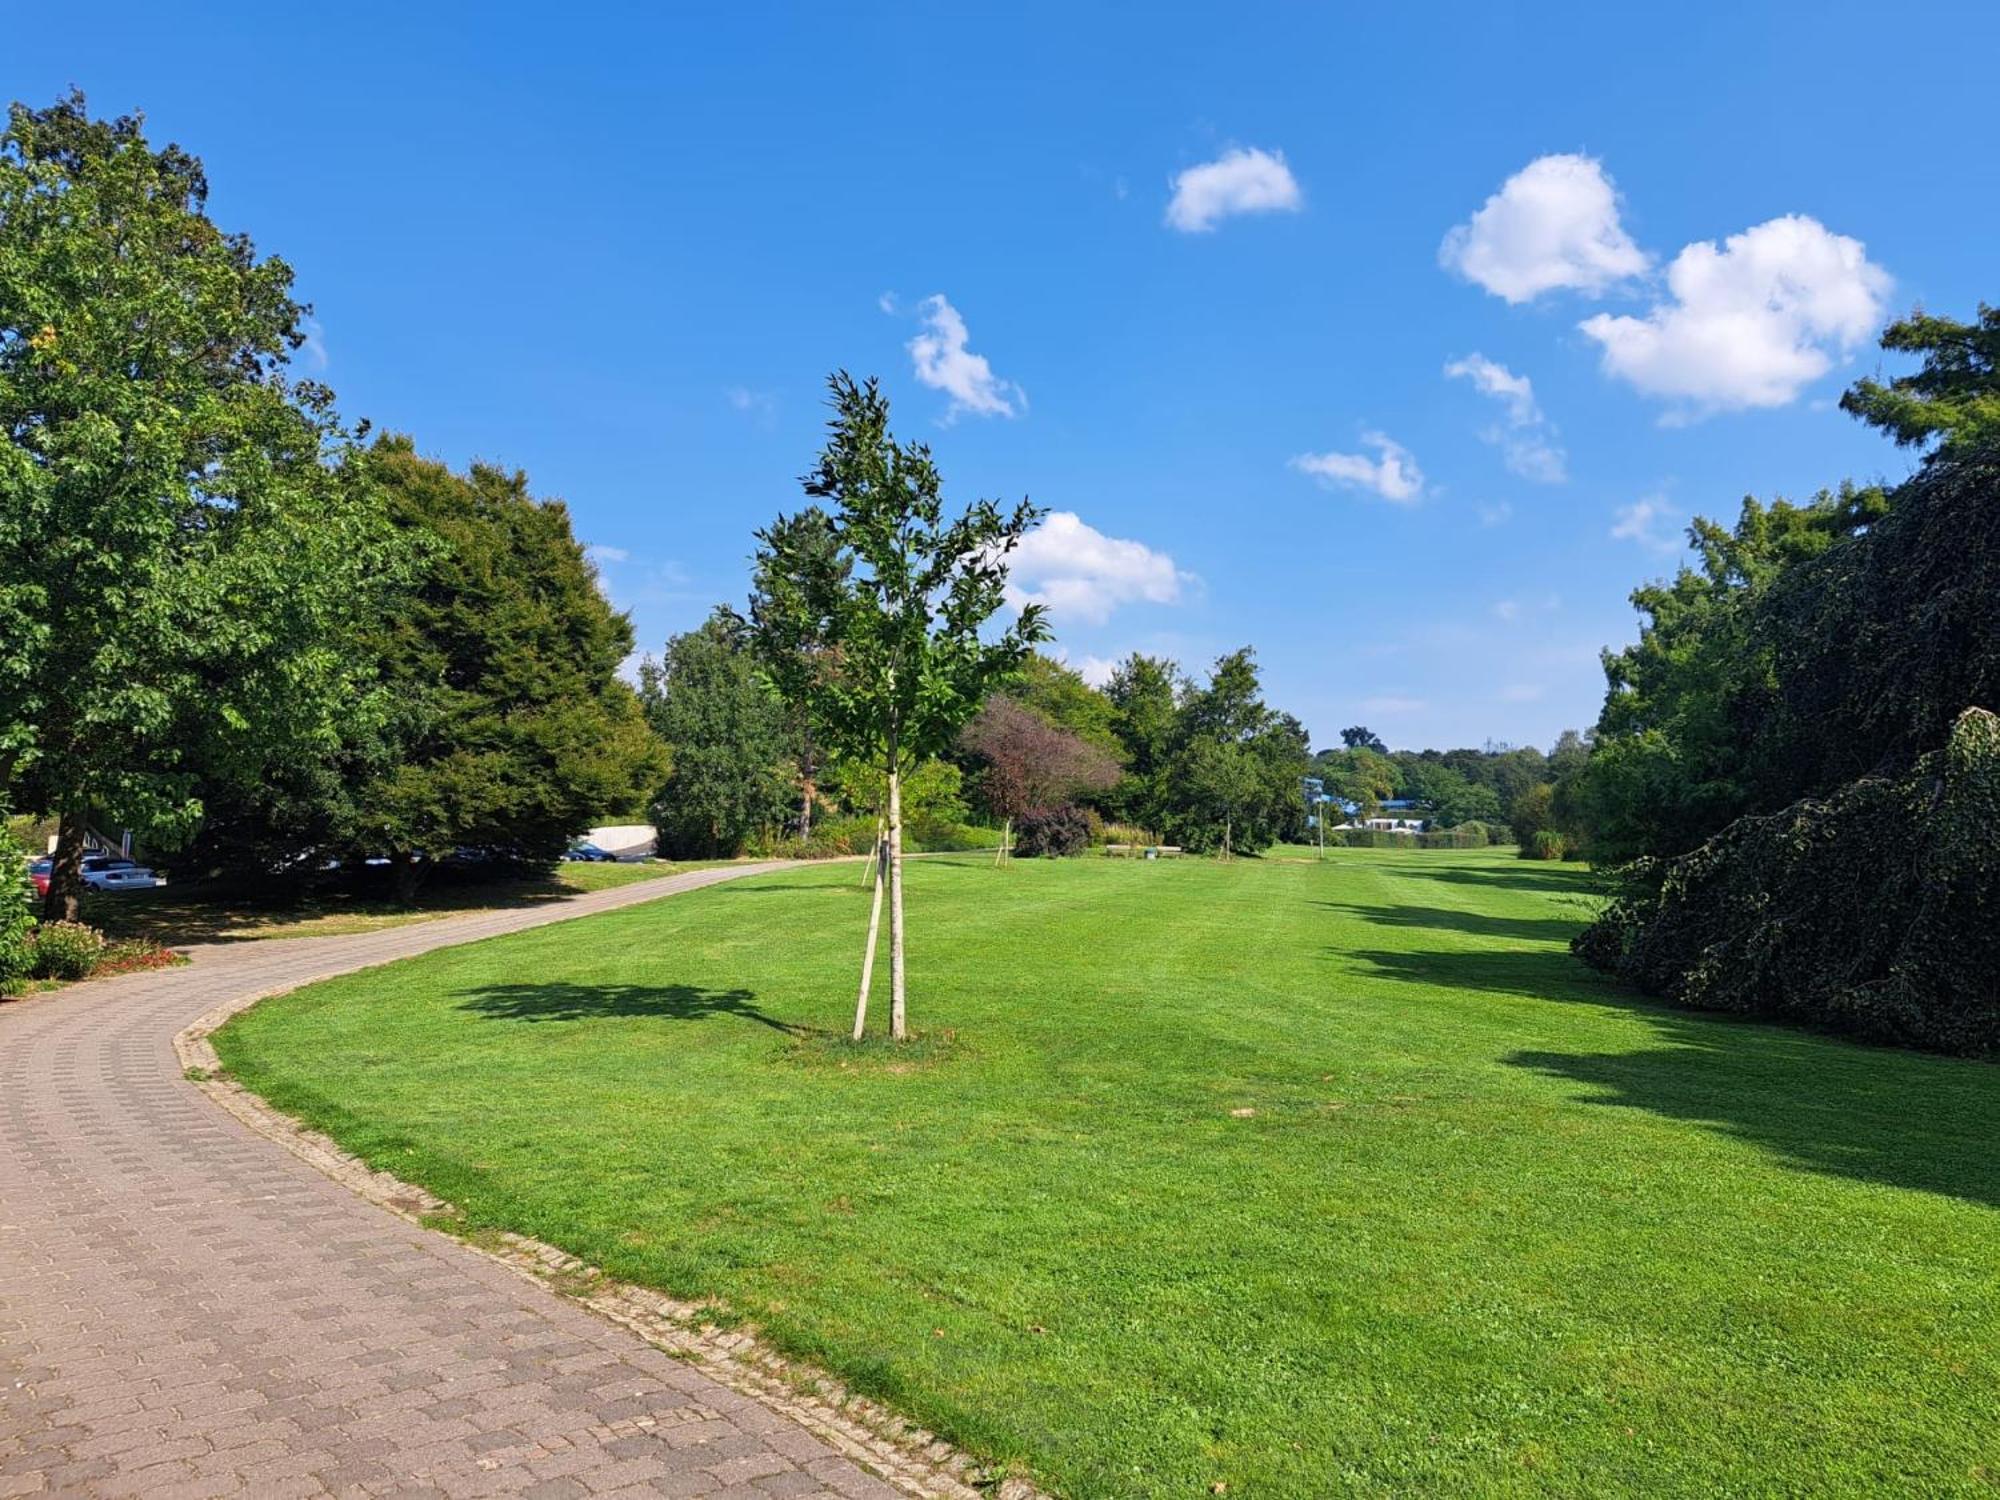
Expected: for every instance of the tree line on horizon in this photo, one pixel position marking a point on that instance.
(271, 640)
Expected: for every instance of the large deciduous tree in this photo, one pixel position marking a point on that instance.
(910, 592)
(1145, 702)
(791, 625)
(725, 731)
(1233, 782)
(179, 563)
(1854, 667)
(1677, 755)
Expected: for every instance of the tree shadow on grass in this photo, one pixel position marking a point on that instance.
(589, 1002)
(1540, 974)
(206, 913)
(1816, 1103)
(1447, 919)
(1531, 876)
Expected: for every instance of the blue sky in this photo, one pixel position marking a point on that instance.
(1203, 272)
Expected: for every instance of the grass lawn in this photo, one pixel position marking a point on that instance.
(176, 914)
(1304, 1178)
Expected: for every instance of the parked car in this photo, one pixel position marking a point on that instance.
(101, 872)
(588, 853)
(104, 872)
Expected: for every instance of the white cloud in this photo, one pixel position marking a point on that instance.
(1394, 475)
(1553, 224)
(1496, 513)
(597, 552)
(1391, 705)
(1515, 609)
(1243, 181)
(1527, 441)
(1496, 380)
(312, 346)
(1095, 670)
(760, 406)
(888, 303)
(1521, 692)
(1751, 323)
(1650, 522)
(944, 363)
(1082, 575)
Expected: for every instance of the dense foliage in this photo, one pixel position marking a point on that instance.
(66, 950)
(1795, 758)
(230, 626)
(1028, 764)
(178, 558)
(1054, 833)
(507, 729)
(797, 578)
(727, 735)
(1871, 910)
(16, 914)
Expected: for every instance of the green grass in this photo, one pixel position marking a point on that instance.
(1304, 1178)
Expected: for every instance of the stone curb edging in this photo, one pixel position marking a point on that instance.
(918, 1462)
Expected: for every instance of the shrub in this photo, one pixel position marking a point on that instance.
(1127, 833)
(1533, 811)
(17, 954)
(934, 837)
(1870, 911)
(1054, 834)
(66, 950)
(830, 837)
(1547, 844)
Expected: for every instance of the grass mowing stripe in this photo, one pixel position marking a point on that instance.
(1304, 1177)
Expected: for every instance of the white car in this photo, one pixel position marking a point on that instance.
(101, 872)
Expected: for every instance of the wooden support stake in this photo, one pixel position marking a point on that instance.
(876, 861)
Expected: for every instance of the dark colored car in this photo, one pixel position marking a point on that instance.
(587, 853)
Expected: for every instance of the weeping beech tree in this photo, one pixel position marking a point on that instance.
(898, 603)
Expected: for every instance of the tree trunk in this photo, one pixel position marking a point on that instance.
(897, 1024)
(406, 876)
(66, 872)
(1227, 825)
(1006, 830)
(876, 858)
(806, 787)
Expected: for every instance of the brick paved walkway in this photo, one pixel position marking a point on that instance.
(187, 1309)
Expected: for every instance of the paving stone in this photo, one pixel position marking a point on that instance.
(192, 1310)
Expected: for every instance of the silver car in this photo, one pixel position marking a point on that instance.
(104, 872)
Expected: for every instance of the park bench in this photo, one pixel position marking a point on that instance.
(1143, 851)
